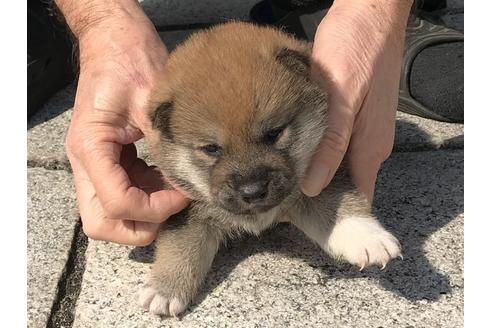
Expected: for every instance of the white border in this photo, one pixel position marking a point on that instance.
(478, 118)
(13, 163)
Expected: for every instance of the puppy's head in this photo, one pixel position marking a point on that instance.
(237, 117)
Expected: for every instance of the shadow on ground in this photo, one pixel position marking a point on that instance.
(56, 105)
(416, 195)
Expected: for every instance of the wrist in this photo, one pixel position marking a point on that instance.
(353, 38)
(125, 34)
(378, 13)
(83, 16)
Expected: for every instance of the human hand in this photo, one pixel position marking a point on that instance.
(357, 55)
(120, 197)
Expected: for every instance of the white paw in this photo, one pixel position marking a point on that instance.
(158, 304)
(363, 242)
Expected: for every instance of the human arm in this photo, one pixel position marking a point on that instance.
(121, 56)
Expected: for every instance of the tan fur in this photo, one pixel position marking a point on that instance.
(235, 87)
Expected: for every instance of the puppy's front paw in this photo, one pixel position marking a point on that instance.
(160, 304)
(363, 242)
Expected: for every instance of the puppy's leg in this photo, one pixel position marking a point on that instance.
(341, 222)
(185, 250)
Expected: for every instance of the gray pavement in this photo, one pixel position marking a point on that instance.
(279, 279)
(282, 279)
(51, 222)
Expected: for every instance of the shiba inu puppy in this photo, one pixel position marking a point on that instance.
(236, 120)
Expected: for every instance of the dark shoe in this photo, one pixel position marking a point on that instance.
(301, 21)
(431, 82)
(49, 56)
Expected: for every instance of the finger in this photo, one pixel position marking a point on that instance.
(97, 226)
(364, 171)
(119, 198)
(129, 232)
(330, 152)
(370, 146)
(128, 155)
(148, 178)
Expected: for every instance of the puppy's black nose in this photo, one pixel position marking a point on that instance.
(253, 192)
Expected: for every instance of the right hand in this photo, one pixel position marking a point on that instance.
(357, 55)
(120, 197)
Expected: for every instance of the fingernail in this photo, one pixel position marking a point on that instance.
(316, 180)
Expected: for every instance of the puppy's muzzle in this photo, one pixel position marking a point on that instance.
(258, 191)
(254, 192)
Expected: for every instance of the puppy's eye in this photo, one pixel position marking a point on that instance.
(212, 150)
(272, 136)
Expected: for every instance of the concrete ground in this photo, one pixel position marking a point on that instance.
(279, 279)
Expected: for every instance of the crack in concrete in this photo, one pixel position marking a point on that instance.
(69, 286)
(50, 164)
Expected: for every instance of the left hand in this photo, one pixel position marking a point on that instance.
(357, 55)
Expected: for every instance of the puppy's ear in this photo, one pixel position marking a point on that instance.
(161, 119)
(296, 61)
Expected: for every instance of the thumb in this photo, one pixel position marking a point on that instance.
(330, 151)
